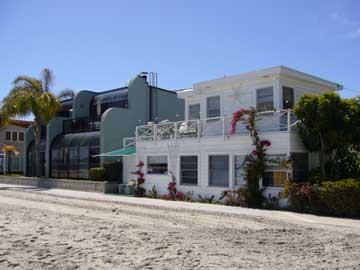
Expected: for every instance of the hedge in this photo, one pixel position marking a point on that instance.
(339, 198)
(97, 174)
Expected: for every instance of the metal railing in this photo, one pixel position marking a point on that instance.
(128, 142)
(268, 121)
(81, 124)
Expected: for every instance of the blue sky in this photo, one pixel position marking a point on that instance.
(99, 45)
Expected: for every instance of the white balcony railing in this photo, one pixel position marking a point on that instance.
(269, 121)
(128, 142)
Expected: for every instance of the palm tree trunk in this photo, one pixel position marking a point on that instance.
(37, 135)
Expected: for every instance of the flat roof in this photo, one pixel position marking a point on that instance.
(263, 73)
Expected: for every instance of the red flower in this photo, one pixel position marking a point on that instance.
(140, 164)
(179, 195)
(254, 152)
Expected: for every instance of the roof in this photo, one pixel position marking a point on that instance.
(119, 152)
(268, 72)
(21, 123)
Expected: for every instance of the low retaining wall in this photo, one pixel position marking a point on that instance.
(81, 185)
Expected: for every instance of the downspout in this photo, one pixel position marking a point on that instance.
(150, 105)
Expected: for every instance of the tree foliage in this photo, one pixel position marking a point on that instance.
(31, 96)
(328, 124)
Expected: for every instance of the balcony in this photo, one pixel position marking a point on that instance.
(83, 124)
(270, 121)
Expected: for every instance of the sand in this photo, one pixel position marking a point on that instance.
(42, 231)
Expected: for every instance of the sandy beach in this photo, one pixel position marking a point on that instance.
(42, 231)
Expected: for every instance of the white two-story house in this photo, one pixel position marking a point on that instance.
(203, 155)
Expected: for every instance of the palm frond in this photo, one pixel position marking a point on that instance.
(32, 84)
(48, 78)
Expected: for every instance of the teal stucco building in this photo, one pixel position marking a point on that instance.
(97, 122)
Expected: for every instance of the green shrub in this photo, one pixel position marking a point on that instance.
(304, 198)
(97, 174)
(341, 198)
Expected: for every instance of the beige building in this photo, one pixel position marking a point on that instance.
(13, 136)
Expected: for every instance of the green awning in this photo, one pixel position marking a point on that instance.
(119, 152)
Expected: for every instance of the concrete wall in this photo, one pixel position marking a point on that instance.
(81, 104)
(54, 128)
(167, 106)
(89, 186)
(119, 123)
(29, 137)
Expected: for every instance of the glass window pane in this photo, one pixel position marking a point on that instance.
(265, 99)
(239, 170)
(21, 136)
(157, 165)
(274, 179)
(300, 164)
(194, 111)
(14, 136)
(288, 97)
(8, 136)
(189, 170)
(219, 170)
(213, 107)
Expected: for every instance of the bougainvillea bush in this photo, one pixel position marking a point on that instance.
(254, 164)
(139, 191)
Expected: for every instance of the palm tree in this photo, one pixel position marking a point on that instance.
(31, 96)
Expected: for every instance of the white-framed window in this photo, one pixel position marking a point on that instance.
(8, 135)
(239, 173)
(157, 164)
(275, 174)
(21, 136)
(265, 99)
(219, 170)
(288, 97)
(189, 170)
(194, 111)
(213, 107)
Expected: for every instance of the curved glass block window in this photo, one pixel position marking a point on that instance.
(117, 98)
(72, 155)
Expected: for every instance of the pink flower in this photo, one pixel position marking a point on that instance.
(254, 152)
(140, 164)
(265, 143)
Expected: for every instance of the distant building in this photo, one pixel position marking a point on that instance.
(13, 137)
(93, 123)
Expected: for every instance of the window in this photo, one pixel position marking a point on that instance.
(21, 136)
(194, 111)
(265, 99)
(275, 174)
(213, 107)
(8, 136)
(239, 170)
(189, 170)
(288, 97)
(14, 136)
(300, 164)
(219, 170)
(157, 165)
